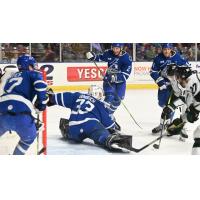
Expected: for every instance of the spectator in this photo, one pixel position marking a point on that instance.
(150, 53)
(198, 51)
(74, 52)
(147, 51)
(46, 52)
(49, 55)
(10, 51)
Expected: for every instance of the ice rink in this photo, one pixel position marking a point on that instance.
(143, 106)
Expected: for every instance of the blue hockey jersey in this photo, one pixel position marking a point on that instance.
(120, 65)
(20, 90)
(84, 108)
(158, 69)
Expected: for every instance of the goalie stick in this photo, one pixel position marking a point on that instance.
(118, 97)
(144, 147)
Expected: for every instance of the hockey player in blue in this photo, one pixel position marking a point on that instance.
(119, 70)
(17, 112)
(159, 73)
(89, 118)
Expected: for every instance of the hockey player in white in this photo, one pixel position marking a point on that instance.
(5, 74)
(190, 80)
(176, 100)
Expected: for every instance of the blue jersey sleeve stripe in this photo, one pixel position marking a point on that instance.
(56, 98)
(111, 126)
(62, 100)
(39, 81)
(40, 89)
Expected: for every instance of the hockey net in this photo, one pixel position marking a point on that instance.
(9, 140)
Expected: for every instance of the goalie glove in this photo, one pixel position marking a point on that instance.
(90, 55)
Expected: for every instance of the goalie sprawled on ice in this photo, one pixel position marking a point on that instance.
(90, 118)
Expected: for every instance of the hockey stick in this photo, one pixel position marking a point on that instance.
(39, 151)
(144, 147)
(37, 125)
(157, 146)
(117, 95)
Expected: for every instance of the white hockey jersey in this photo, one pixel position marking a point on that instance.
(193, 90)
(8, 72)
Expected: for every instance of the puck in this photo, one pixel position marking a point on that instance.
(156, 146)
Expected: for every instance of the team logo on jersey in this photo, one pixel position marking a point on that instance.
(162, 61)
(109, 58)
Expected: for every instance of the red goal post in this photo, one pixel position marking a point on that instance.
(44, 119)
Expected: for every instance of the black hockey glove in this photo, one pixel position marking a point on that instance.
(50, 95)
(166, 113)
(192, 114)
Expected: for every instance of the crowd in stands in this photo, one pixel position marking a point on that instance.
(147, 51)
(75, 52)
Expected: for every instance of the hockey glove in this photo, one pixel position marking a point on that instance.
(90, 56)
(50, 95)
(161, 84)
(166, 113)
(175, 127)
(40, 105)
(192, 114)
(115, 78)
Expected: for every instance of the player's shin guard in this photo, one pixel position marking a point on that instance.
(196, 145)
(22, 147)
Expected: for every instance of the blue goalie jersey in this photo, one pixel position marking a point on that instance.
(120, 65)
(20, 90)
(84, 108)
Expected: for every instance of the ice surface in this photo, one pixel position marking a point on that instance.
(143, 106)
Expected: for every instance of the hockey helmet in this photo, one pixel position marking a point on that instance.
(167, 46)
(171, 68)
(24, 61)
(183, 71)
(119, 45)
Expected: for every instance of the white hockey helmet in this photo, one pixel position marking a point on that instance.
(96, 92)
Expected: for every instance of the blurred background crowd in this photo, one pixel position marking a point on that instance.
(75, 52)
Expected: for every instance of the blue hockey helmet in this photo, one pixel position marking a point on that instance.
(120, 45)
(24, 61)
(167, 46)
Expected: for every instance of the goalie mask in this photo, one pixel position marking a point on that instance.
(96, 92)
